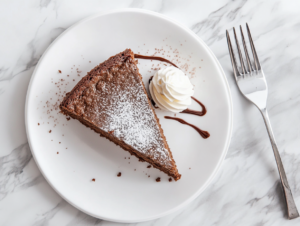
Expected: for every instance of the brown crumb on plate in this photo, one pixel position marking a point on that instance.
(170, 179)
(93, 179)
(158, 179)
(119, 174)
(149, 166)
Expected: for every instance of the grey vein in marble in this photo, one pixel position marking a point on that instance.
(11, 169)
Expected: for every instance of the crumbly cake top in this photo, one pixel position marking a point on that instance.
(114, 100)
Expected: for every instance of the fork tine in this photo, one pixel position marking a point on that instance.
(246, 50)
(239, 51)
(256, 61)
(232, 57)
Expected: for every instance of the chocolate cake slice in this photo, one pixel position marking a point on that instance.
(112, 100)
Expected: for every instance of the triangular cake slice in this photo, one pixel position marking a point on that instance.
(112, 100)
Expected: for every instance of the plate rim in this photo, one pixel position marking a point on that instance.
(219, 68)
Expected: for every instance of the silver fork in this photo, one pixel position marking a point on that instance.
(252, 84)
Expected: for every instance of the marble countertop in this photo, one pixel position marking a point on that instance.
(246, 191)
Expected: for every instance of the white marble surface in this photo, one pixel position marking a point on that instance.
(245, 191)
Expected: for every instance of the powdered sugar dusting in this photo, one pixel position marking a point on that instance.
(116, 103)
(133, 121)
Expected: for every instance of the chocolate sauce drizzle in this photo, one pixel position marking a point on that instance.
(154, 58)
(194, 112)
(150, 97)
(202, 133)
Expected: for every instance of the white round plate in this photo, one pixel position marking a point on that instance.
(71, 155)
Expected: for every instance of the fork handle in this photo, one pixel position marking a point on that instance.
(291, 206)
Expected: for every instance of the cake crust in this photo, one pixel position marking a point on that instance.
(112, 100)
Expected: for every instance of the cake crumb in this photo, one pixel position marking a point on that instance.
(170, 179)
(68, 118)
(93, 179)
(38, 124)
(119, 174)
(149, 176)
(158, 179)
(134, 169)
(57, 152)
(125, 157)
(59, 71)
(59, 142)
(90, 61)
(149, 166)
(189, 168)
(50, 131)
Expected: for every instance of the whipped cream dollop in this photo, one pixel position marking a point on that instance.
(171, 89)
